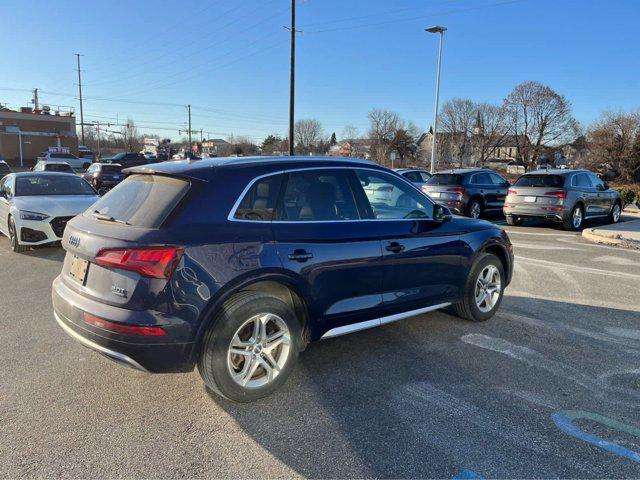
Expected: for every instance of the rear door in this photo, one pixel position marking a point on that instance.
(482, 183)
(320, 237)
(421, 258)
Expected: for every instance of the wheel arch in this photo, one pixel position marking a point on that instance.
(279, 285)
(501, 252)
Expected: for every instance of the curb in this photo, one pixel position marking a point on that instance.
(619, 240)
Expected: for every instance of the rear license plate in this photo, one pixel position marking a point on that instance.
(530, 199)
(78, 269)
(434, 194)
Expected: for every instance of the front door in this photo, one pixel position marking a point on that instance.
(588, 193)
(422, 257)
(501, 186)
(320, 236)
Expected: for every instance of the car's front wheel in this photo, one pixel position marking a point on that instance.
(483, 290)
(13, 238)
(251, 348)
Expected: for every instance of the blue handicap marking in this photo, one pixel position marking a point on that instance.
(467, 474)
(564, 420)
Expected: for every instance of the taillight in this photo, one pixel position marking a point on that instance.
(156, 262)
(511, 191)
(424, 188)
(557, 194)
(456, 190)
(123, 328)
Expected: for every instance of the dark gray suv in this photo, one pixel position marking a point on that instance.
(469, 191)
(564, 196)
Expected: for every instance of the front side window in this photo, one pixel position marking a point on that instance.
(596, 181)
(317, 195)
(259, 203)
(391, 198)
(481, 179)
(581, 180)
(497, 179)
(412, 176)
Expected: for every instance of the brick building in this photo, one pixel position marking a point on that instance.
(36, 131)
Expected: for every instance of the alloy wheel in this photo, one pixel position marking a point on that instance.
(259, 350)
(488, 288)
(616, 213)
(474, 211)
(576, 218)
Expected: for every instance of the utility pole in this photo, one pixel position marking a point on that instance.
(36, 104)
(189, 108)
(292, 76)
(441, 31)
(80, 92)
(201, 139)
(98, 135)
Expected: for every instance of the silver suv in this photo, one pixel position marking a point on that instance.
(564, 196)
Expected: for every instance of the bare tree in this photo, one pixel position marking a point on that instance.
(614, 141)
(308, 134)
(457, 118)
(382, 130)
(539, 117)
(130, 136)
(492, 128)
(349, 133)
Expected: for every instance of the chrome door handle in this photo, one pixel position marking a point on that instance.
(300, 255)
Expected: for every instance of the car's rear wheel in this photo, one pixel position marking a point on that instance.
(251, 348)
(513, 220)
(483, 290)
(474, 209)
(13, 238)
(575, 218)
(616, 211)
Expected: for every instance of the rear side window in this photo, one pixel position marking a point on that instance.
(445, 179)
(412, 176)
(142, 200)
(259, 203)
(553, 181)
(318, 195)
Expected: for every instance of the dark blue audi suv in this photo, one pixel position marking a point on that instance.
(236, 264)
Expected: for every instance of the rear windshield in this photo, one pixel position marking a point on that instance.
(62, 155)
(111, 168)
(142, 200)
(58, 167)
(445, 179)
(554, 181)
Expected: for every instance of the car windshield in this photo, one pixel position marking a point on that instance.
(62, 155)
(32, 185)
(553, 181)
(445, 179)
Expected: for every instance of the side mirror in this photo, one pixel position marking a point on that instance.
(441, 213)
(602, 186)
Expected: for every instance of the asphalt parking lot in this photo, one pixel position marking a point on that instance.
(550, 387)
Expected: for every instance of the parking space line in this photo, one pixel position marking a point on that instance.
(576, 268)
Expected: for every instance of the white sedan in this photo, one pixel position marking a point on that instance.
(36, 206)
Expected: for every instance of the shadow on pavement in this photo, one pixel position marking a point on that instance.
(412, 400)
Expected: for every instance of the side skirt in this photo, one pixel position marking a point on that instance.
(376, 322)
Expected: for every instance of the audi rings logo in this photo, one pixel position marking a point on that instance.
(74, 241)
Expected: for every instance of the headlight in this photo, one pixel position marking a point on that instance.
(25, 215)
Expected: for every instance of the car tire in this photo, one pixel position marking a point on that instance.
(13, 238)
(513, 220)
(469, 307)
(474, 209)
(616, 211)
(575, 219)
(224, 371)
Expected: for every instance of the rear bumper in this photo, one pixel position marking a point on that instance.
(555, 213)
(150, 354)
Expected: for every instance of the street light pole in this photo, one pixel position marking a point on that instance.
(80, 94)
(441, 31)
(292, 76)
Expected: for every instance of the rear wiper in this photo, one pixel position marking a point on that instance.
(107, 218)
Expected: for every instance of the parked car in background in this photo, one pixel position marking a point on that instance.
(469, 192)
(568, 197)
(235, 264)
(104, 176)
(127, 160)
(4, 168)
(53, 166)
(78, 164)
(416, 176)
(84, 152)
(36, 206)
(150, 156)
